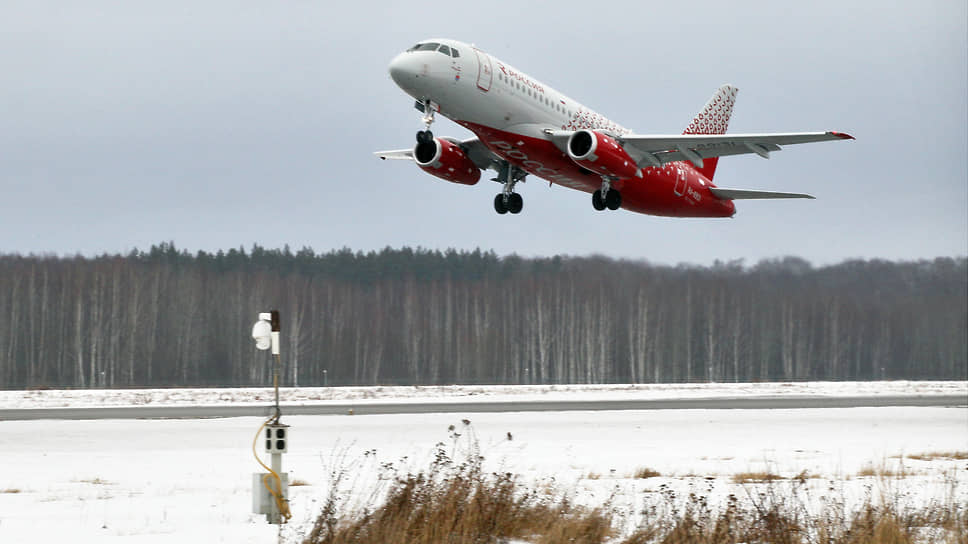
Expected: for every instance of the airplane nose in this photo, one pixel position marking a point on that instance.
(402, 69)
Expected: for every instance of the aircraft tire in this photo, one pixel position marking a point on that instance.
(424, 136)
(597, 201)
(515, 203)
(613, 200)
(499, 205)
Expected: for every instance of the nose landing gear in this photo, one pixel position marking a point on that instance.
(429, 109)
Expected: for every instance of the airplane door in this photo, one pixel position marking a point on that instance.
(680, 186)
(484, 74)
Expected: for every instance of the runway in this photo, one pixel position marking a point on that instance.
(372, 408)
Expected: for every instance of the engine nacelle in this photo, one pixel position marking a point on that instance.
(446, 160)
(601, 154)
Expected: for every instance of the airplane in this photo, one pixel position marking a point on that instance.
(524, 127)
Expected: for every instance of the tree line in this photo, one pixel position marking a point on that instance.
(165, 317)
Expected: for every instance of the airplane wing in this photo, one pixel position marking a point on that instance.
(656, 150)
(480, 155)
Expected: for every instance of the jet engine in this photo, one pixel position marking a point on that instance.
(446, 160)
(601, 154)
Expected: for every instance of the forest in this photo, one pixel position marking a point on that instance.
(169, 318)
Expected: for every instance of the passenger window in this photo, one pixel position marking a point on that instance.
(454, 53)
(445, 50)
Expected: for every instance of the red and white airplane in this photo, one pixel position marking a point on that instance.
(525, 127)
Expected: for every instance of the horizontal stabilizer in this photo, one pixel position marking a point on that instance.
(396, 154)
(743, 194)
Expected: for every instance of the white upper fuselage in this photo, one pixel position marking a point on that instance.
(478, 89)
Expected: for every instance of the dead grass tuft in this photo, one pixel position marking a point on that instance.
(931, 456)
(755, 477)
(884, 471)
(645, 472)
(806, 475)
(299, 483)
(95, 481)
(10, 491)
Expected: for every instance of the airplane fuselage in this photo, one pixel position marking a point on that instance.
(511, 112)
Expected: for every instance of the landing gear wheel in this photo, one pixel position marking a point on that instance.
(613, 199)
(597, 202)
(515, 203)
(424, 136)
(499, 205)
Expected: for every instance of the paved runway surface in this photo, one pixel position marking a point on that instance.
(362, 408)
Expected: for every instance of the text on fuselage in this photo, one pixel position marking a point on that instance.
(523, 79)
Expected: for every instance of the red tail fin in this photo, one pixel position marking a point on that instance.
(714, 119)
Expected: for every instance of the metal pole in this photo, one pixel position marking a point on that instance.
(276, 324)
(276, 516)
(275, 382)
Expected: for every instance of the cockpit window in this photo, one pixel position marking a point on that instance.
(454, 53)
(430, 46)
(445, 50)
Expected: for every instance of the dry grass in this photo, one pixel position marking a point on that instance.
(466, 506)
(10, 491)
(806, 475)
(645, 472)
(95, 481)
(299, 483)
(884, 472)
(778, 513)
(459, 503)
(947, 455)
(755, 477)
(451, 503)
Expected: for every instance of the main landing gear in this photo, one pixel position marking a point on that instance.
(612, 199)
(507, 200)
(503, 203)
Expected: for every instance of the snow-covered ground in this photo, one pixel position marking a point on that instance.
(190, 480)
(84, 398)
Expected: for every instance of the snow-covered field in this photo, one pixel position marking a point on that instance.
(190, 480)
(85, 398)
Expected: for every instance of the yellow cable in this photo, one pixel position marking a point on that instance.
(281, 503)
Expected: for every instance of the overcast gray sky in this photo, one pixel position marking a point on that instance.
(218, 124)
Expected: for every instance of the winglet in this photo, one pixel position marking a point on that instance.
(843, 135)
